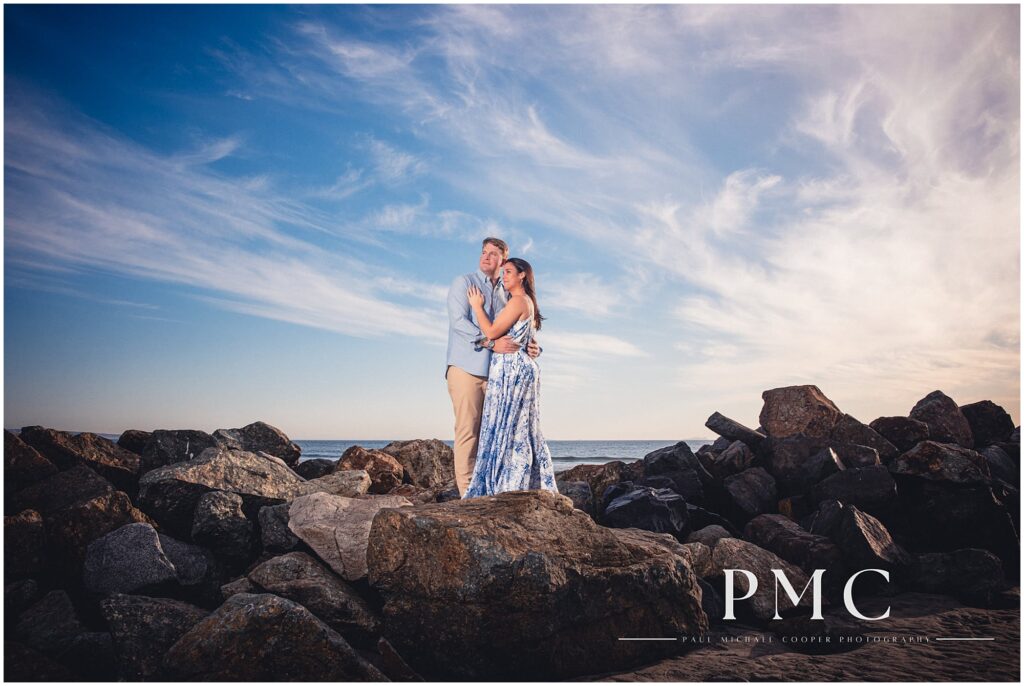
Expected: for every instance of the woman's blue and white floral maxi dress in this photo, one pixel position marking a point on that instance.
(512, 454)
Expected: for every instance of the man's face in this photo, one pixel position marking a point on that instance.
(491, 259)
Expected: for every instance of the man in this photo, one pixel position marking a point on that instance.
(469, 353)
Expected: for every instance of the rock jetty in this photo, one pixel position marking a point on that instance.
(183, 555)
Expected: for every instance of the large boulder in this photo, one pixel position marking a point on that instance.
(199, 573)
(946, 423)
(1000, 465)
(23, 465)
(598, 476)
(798, 462)
(737, 554)
(50, 625)
(260, 437)
(734, 431)
(989, 423)
(129, 559)
(677, 462)
(220, 525)
(866, 543)
(426, 462)
(526, 574)
(658, 510)
(902, 432)
(942, 462)
(733, 460)
(872, 489)
(852, 455)
(848, 430)
(134, 440)
(170, 493)
(315, 468)
(119, 466)
(792, 543)
(59, 491)
(385, 471)
(70, 531)
(580, 494)
(169, 446)
(144, 629)
(748, 494)
(798, 410)
(275, 536)
(262, 637)
(709, 535)
(300, 577)
(337, 529)
(972, 574)
(24, 545)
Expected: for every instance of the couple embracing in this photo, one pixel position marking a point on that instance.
(493, 379)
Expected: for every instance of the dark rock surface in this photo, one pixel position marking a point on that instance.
(849, 430)
(989, 423)
(134, 440)
(734, 459)
(798, 462)
(852, 455)
(67, 450)
(262, 637)
(220, 524)
(60, 491)
(872, 489)
(902, 432)
(792, 543)
(50, 625)
(70, 531)
(19, 595)
(734, 431)
(866, 543)
(260, 437)
(971, 574)
(144, 629)
(126, 560)
(198, 572)
(426, 463)
(942, 462)
(315, 468)
(300, 577)
(1000, 465)
(749, 494)
(275, 535)
(23, 465)
(580, 494)
(385, 471)
(24, 545)
(946, 423)
(526, 574)
(657, 510)
(737, 554)
(169, 446)
(798, 410)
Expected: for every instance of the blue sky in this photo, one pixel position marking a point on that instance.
(214, 215)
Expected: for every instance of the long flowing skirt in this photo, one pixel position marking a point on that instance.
(512, 454)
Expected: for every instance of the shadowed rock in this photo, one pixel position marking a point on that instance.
(24, 545)
(942, 462)
(170, 446)
(657, 510)
(599, 476)
(220, 524)
(262, 637)
(708, 535)
(67, 450)
(946, 423)
(50, 625)
(526, 574)
(315, 468)
(792, 543)
(866, 543)
(426, 462)
(144, 629)
(871, 489)
(902, 432)
(734, 431)
(580, 494)
(798, 410)
(849, 430)
(23, 465)
(385, 471)
(19, 595)
(749, 494)
(852, 455)
(798, 462)
(299, 577)
(260, 437)
(736, 458)
(70, 531)
(126, 560)
(134, 440)
(734, 553)
(971, 574)
(1000, 465)
(61, 490)
(274, 532)
(678, 463)
(989, 423)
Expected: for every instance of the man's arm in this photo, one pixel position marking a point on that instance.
(458, 312)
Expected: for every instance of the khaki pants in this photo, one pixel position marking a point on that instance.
(467, 392)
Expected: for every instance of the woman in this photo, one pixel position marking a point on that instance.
(512, 454)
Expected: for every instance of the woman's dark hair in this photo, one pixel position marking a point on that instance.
(523, 267)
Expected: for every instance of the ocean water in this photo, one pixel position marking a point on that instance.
(564, 454)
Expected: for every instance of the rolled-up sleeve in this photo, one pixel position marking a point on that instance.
(459, 313)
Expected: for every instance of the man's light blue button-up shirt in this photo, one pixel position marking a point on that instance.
(463, 329)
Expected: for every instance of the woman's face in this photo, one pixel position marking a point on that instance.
(511, 277)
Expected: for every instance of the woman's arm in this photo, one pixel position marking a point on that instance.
(503, 322)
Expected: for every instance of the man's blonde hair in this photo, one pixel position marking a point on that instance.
(499, 244)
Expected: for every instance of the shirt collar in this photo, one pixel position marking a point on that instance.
(487, 280)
